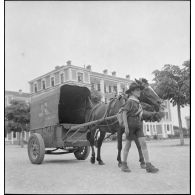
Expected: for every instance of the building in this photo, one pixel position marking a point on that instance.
(107, 85)
(161, 129)
(13, 137)
(14, 95)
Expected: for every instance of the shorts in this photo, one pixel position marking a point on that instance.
(135, 128)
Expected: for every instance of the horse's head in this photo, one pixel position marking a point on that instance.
(149, 96)
(151, 102)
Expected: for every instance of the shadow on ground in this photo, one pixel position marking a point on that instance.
(58, 161)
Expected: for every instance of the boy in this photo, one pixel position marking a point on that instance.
(132, 113)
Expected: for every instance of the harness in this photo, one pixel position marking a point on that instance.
(107, 112)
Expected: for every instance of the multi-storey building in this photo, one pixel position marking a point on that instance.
(13, 137)
(14, 95)
(107, 85)
(163, 128)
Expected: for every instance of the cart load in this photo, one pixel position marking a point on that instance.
(66, 104)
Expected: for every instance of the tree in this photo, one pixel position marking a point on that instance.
(173, 83)
(95, 96)
(17, 117)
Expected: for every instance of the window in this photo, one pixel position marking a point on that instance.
(148, 128)
(93, 86)
(43, 84)
(52, 81)
(115, 88)
(168, 128)
(106, 100)
(80, 77)
(98, 87)
(62, 78)
(35, 88)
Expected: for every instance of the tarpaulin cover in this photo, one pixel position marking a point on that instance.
(65, 104)
(73, 103)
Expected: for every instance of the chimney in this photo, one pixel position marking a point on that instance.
(57, 67)
(68, 63)
(127, 76)
(114, 73)
(88, 67)
(105, 71)
(20, 91)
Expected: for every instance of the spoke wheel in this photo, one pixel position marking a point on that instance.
(36, 148)
(82, 153)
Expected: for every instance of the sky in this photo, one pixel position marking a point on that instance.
(129, 37)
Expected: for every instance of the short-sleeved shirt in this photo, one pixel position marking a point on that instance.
(135, 124)
(133, 107)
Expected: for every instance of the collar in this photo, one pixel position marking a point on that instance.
(134, 98)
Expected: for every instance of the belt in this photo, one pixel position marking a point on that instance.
(134, 116)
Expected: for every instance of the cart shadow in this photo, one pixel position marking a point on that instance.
(66, 161)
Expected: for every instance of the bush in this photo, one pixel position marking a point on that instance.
(155, 137)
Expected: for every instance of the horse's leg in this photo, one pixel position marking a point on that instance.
(141, 157)
(90, 138)
(119, 145)
(99, 144)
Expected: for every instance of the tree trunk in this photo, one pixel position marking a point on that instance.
(19, 140)
(22, 138)
(180, 125)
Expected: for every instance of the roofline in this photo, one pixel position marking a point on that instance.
(81, 68)
(44, 75)
(23, 93)
(111, 77)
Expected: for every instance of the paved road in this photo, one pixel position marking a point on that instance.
(65, 174)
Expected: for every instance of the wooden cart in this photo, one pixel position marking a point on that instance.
(58, 123)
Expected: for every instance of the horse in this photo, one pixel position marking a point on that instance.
(152, 106)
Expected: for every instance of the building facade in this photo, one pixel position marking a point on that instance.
(13, 137)
(107, 85)
(161, 129)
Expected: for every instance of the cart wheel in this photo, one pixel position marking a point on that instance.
(36, 148)
(82, 153)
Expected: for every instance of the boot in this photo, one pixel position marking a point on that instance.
(150, 168)
(124, 167)
(143, 165)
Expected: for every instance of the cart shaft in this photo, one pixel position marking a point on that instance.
(93, 122)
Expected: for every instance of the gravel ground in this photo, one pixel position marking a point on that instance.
(61, 174)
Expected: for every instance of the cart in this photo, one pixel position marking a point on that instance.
(57, 122)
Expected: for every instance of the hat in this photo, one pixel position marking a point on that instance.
(132, 87)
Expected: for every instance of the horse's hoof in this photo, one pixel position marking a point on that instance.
(119, 164)
(101, 163)
(92, 160)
